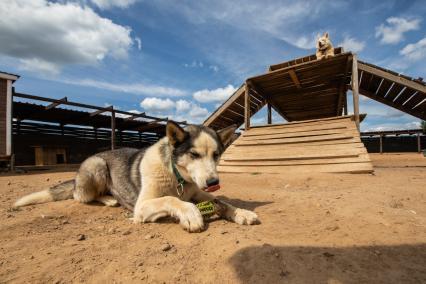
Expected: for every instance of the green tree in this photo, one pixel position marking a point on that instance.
(423, 125)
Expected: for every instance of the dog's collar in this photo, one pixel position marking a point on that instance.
(181, 181)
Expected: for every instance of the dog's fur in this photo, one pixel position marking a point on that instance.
(144, 181)
(325, 48)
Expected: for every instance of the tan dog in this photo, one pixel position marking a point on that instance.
(325, 48)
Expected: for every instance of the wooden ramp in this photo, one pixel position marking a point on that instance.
(321, 145)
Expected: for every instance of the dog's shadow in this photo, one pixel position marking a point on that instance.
(244, 204)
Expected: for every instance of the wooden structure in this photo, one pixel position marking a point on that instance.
(321, 145)
(38, 129)
(308, 92)
(6, 82)
(382, 134)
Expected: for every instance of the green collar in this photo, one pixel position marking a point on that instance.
(179, 179)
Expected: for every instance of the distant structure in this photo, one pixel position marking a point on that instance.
(59, 131)
(311, 95)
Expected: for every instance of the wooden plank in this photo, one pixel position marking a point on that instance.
(295, 140)
(269, 115)
(55, 104)
(238, 93)
(298, 134)
(364, 167)
(291, 154)
(308, 144)
(246, 107)
(362, 158)
(355, 92)
(413, 112)
(294, 78)
(241, 150)
(392, 77)
(305, 121)
(293, 128)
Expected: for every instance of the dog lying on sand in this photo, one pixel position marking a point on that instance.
(156, 182)
(325, 48)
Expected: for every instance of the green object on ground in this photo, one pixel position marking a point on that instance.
(206, 208)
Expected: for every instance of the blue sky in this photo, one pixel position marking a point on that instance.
(182, 58)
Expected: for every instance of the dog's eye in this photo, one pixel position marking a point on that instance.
(215, 155)
(194, 155)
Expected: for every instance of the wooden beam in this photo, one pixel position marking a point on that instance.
(269, 114)
(247, 106)
(413, 112)
(238, 93)
(294, 78)
(148, 125)
(419, 146)
(132, 117)
(55, 104)
(99, 111)
(381, 143)
(355, 91)
(112, 129)
(392, 77)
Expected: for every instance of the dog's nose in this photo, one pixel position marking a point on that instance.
(212, 181)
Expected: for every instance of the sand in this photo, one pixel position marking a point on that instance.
(325, 228)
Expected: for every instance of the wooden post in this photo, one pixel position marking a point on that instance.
(345, 105)
(247, 107)
(355, 92)
(112, 129)
(269, 114)
(419, 146)
(381, 143)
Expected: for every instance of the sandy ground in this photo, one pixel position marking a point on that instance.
(315, 229)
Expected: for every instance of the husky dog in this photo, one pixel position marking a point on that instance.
(325, 48)
(157, 182)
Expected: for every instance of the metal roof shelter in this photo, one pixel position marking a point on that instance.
(152, 127)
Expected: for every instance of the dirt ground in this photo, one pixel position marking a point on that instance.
(326, 228)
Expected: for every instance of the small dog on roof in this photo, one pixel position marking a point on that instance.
(325, 48)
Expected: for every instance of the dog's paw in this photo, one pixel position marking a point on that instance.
(190, 218)
(245, 217)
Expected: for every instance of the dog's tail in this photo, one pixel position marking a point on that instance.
(58, 192)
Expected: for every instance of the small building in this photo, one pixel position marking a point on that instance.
(6, 82)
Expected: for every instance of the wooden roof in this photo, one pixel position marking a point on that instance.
(307, 88)
(390, 88)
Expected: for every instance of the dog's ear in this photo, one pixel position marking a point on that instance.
(326, 35)
(175, 133)
(225, 134)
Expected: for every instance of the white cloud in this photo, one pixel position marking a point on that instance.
(352, 44)
(393, 31)
(214, 68)
(132, 88)
(157, 105)
(182, 106)
(139, 43)
(415, 51)
(393, 126)
(45, 35)
(216, 95)
(108, 4)
(178, 110)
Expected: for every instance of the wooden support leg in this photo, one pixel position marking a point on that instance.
(247, 107)
(355, 90)
(345, 105)
(269, 114)
(419, 146)
(112, 130)
(381, 143)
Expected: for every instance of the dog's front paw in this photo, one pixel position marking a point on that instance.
(190, 218)
(245, 217)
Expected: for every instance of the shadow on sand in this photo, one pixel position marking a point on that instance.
(362, 264)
